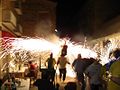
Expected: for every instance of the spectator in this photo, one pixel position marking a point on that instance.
(44, 84)
(71, 86)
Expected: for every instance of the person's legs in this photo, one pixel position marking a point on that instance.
(64, 74)
(52, 75)
(81, 81)
(60, 70)
(49, 73)
(79, 77)
(83, 84)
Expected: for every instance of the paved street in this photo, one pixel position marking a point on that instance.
(62, 84)
(25, 84)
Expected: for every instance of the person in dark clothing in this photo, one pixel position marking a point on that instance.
(94, 74)
(64, 50)
(78, 66)
(51, 71)
(57, 86)
(44, 84)
(1, 83)
(71, 86)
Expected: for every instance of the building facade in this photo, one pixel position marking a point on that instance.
(10, 26)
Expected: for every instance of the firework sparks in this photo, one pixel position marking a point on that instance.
(26, 49)
(104, 51)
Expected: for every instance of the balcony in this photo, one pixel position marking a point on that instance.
(19, 31)
(8, 19)
(18, 10)
(17, 0)
(18, 6)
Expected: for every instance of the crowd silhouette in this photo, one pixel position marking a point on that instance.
(100, 77)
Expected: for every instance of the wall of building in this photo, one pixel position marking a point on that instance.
(38, 18)
(8, 26)
(96, 14)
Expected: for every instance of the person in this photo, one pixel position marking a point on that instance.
(114, 72)
(94, 72)
(70, 86)
(64, 49)
(32, 69)
(105, 70)
(57, 86)
(1, 82)
(111, 60)
(44, 84)
(62, 61)
(78, 66)
(13, 85)
(51, 63)
(104, 75)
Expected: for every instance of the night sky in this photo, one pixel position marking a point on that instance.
(68, 16)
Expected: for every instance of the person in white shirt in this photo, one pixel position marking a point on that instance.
(62, 61)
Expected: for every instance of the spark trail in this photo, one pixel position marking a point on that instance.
(26, 49)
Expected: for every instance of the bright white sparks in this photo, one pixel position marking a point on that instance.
(41, 48)
(32, 45)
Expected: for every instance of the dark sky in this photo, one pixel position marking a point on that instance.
(67, 16)
(70, 14)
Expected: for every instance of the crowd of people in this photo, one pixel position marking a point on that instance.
(100, 77)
